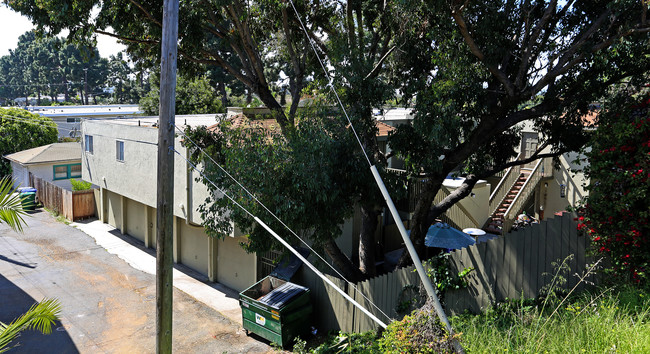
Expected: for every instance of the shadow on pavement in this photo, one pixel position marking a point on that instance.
(18, 263)
(230, 293)
(14, 303)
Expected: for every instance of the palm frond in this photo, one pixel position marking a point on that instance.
(41, 316)
(11, 208)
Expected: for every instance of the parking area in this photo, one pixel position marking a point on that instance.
(107, 305)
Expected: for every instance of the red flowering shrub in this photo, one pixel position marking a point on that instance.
(617, 210)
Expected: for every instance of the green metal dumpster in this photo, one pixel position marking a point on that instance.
(276, 310)
(28, 196)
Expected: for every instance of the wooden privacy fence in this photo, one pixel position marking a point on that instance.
(72, 205)
(506, 267)
(519, 264)
(333, 312)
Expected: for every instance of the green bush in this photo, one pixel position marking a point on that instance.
(420, 332)
(79, 185)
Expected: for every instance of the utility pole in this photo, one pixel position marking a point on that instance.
(165, 186)
(85, 101)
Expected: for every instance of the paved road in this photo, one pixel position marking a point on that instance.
(108, 306)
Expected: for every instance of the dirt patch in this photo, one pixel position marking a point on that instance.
(124, 327)
(50, 249)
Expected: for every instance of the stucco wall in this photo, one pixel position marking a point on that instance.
(135, 219)
(136, 176)
(19, 175)
(235, 268)
(194, 248)
(113, 209)
(43, 171)
(574, 183)
(478, 205)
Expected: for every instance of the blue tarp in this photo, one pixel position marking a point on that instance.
(442, 235)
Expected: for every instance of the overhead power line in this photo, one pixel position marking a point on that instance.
(389, 201)
(284, 243)
(248, 192)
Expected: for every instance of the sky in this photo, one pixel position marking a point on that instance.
(13, 24)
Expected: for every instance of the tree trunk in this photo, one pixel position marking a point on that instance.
(38, 96)
(367, 240)
(224, 94)
(249, 97)
(425, 216)
(283, 97)
(66, 96)
(342, 262)
(419, 224)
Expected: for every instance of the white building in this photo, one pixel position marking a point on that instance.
(55, 163)
(68, 118)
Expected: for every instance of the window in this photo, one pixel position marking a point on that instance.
(119, 150)
(72, 170)
(60, 172)
(88, 143)
(75, 170)
(73, 120)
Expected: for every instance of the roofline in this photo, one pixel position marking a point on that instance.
(40, 162)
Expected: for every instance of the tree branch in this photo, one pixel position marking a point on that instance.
(377, 69)
(127, 39)
(235, 12)
(462, 26)
(146, 13)
(564, 62)
(532, 40)
(349, 17)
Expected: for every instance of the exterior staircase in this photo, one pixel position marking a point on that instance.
(496, 222)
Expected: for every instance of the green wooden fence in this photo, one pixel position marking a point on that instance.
(519, 263)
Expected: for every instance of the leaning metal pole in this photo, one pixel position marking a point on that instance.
(414, 256)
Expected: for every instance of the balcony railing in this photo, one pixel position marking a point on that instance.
(503, 187)
(543, 168)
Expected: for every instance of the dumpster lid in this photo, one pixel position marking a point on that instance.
(282, 295)
(289, 265)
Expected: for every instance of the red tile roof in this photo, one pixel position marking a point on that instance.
(271, 125)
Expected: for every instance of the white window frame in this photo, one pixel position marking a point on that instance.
(88, 143)
(119, 150)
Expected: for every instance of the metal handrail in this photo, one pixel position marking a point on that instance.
(535, 176)
(503, 187)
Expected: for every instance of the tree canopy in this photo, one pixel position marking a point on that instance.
(51, 66)
(472, 70)
(22, 130)
(485, 67)
(193, 96)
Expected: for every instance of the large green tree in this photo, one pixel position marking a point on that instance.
(487, 66)
(39, 66)
(193, 96)
(473, 67)
(22, 130)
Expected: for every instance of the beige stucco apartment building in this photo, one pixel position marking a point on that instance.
(119, 156)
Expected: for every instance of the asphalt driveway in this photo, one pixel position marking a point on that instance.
(107, 306)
